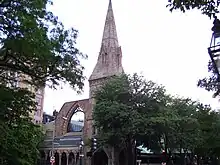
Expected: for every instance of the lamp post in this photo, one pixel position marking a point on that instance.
(52, 158)
(81, 152)
(214, 49)
(93, 149)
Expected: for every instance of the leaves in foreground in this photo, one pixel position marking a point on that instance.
(209, 8)
(36, 46)
(19, 136)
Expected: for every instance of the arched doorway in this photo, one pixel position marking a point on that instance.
(71, 160)
(100, 158)
(63, 159)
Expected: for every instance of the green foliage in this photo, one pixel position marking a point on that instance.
(15, 102)
(130, 101)
(210, 83)
(19, 143)
(120, 112)
(175, 127)
(36, 50)
(209, 128)
(36, 44)
(209, 8)
(19, 136)
(111, 104)
(130, 108)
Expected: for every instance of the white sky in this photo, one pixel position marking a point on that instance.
(168, 48)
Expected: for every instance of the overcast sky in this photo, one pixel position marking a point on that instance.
(168, 48)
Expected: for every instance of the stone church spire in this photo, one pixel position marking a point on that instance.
(110, 55)
(110, 38)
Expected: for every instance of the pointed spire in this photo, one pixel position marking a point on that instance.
(110, 38)
(110, 55)
(110, 3)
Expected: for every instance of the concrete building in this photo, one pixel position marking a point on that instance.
(36, 116)
(18, 81)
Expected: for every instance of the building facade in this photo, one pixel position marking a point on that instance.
(36, 116)
(39, 98)
(18, 81)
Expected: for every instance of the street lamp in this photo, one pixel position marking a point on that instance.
(52, 158)
(81, 151)
(214, 49)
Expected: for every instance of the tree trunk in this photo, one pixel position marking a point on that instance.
(130, 153)
(113, 155)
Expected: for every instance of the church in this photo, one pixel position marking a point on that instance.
(64, 145)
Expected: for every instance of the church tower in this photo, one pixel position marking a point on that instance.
(109, 64)
(109, 61)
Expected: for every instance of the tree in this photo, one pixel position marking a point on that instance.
(19, 136)
(34, 43)
(209, 126)
(186, 126)
(37, 50)
(186, 130)
(209, 8)
(130, 109)
(110, 105)
(210, 83)
(175, 128)
(126, 99)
